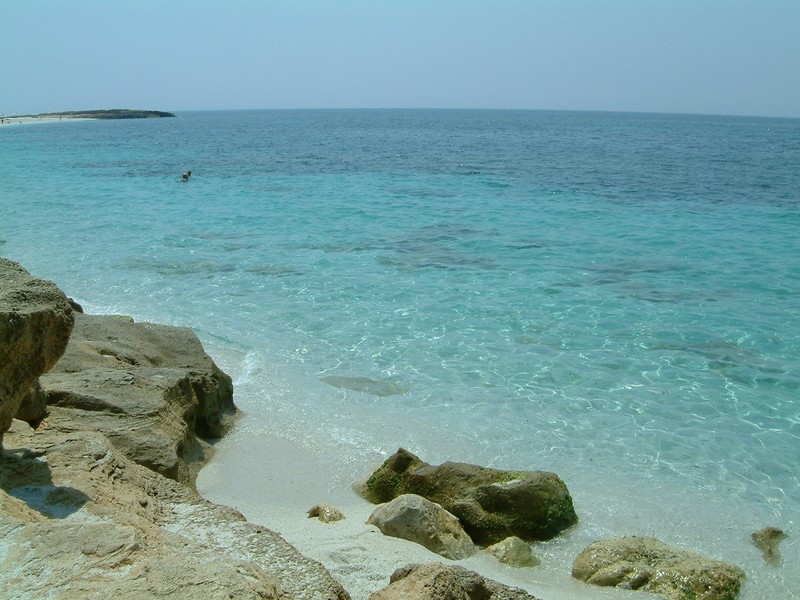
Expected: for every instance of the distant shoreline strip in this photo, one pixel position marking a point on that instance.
(85, 115)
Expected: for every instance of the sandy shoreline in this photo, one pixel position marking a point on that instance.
(273, 471)
(284, 479)
(33, 119)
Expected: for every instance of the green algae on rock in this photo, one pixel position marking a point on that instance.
(491, 504)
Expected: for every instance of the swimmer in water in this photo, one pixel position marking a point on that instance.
(186, 175)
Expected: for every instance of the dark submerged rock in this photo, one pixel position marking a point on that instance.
(767, 541)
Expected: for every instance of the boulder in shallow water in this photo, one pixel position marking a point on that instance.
(35, 324)
(649, 565)
(436, 581)
(416, 519)
(767, 541)
(491, 504)
(514, 552)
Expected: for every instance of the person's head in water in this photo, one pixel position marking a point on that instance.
(186, 175)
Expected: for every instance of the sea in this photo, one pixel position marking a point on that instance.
(614, 297)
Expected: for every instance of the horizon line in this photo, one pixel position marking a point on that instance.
(428, 108)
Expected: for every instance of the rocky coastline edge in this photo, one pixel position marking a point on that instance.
(103, 425)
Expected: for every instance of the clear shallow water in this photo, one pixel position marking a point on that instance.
(614, 297)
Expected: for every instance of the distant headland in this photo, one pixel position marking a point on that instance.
(114, 113)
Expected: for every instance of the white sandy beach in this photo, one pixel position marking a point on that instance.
(34, 119)
(278, 482)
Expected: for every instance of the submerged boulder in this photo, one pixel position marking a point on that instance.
(491, 504)
(436, 581)
(767, 541)
(647, 564)
(35, 324)
(418, 520)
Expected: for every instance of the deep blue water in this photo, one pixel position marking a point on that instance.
(614, 297)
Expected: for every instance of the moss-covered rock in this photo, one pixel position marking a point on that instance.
(649, 565)
(491, 504)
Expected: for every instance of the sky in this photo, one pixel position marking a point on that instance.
(729, 57)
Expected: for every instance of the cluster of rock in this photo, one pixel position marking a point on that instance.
(98, 501)
(490, 504)
(436, 581)
(451, 507)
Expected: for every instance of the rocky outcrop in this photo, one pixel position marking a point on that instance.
(418, 520)
(35, 324)
(436, 581)
(514, 552)
(647, 564)
(84, 521)
(491, 504)
(85, 509)
(151, 389)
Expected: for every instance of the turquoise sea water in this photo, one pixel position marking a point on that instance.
(614, 297)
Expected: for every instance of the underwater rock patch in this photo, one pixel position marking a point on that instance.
(366, 385)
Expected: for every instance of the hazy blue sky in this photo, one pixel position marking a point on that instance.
(698, 56)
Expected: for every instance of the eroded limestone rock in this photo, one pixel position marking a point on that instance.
(491, 504)
(152, 389)
(84, 521)
(78, 517)
(35, 324)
